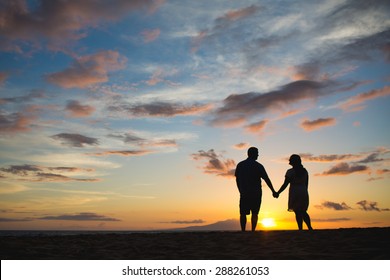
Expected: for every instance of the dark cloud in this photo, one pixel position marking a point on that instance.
(80, 217)
(246, 105)
(344, 168)
(198, 221)
(35, 173)
(132, 138)
(334, 206)
(34, 94)
(15, 123)
(75, 140)
(370, 206)
(331, 220)
(7, 220)
(59, 22)
(78, 110)
(317, 124)
(215, 164)
(159, 109)
(125, 153)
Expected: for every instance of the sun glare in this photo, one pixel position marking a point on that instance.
(268, 222)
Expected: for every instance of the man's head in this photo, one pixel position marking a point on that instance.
(253, 153)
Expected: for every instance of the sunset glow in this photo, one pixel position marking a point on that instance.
(133, 115)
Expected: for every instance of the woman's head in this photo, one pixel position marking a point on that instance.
(295, 160)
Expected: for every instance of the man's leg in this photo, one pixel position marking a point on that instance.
(243, 222)
(254, 221)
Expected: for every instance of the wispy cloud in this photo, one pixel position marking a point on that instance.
(257, 127)
(334, 205)
(134, 139)
(15, 122)
(125, 153)
(160, 109)
(370, 206)
(150, 35)
(309, 125)
(75, 140)
(80, 217)
(222, 23)
(36, 173)
(344, 168)
(76, 109)
(185, 222)
(88, 70)
(357, 102)
(328, 158)
(60, 22)
(3, 77)
(215, 164)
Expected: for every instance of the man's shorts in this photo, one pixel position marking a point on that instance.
(250, 202)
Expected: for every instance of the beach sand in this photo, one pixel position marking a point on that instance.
(332, 244)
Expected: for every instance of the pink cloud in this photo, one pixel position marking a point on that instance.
(150, 35)
(3, 77)
(317, 124)
(88, 70)
(78, 110)
(15, 122)
(257, 127)
(61, 22)
(356, 103)
(344, 168)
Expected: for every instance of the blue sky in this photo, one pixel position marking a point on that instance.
(134, 114)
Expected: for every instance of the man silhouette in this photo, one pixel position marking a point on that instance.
(248, 178)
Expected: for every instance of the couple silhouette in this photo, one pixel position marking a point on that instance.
(249, 173)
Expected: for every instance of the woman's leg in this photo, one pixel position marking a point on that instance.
(299, 218)
(306, 218)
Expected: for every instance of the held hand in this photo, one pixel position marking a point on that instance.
(275, 194)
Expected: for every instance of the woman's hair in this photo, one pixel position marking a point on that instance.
(296, 162)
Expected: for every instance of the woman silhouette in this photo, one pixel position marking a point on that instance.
(298, 195)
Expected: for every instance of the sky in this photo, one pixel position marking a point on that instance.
(132, 115)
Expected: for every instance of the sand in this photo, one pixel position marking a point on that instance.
(333, 244)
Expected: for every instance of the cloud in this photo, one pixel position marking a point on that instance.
(356, 103)
(160, 109)
(317, 124)
(132, 138)
(60, 22)
(370, 206)
(36, 173)
(244, 106)
(88, 70)
(328, 158)
(7, 220)
(222, 23)
(344, 168)
(80, 217)
(78, 110)
(215, 164)
(150, 35)
(75, 140)
(241, 146)
(125, 153)
(330, 220)
(198, 221)
(3, 77)
(334, 206)
(257, 126)
(34, 94)
(15, 123)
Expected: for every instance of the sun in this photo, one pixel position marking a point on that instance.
(268, 222)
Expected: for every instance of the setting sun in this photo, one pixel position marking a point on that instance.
(268, 222)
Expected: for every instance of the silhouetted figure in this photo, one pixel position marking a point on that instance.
(298, 195)
(248, 177)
